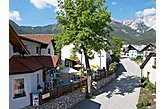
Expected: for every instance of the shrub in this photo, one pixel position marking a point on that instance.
(143, 103)
(143, 79)
(145, 83)
(139, 59)
(139, 105)
(149, 86)
(112, 66)
(115, 58)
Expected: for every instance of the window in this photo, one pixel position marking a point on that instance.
(154, 61)
(154, 66)
(37, 50)
(37, 79)
(49, 51)
(19, 88)
(66, 62)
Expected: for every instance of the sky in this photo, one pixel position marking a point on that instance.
(43, 12)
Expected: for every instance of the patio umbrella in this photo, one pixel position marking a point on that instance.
(78, 66)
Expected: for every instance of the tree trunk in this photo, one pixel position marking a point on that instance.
(89, 77)
(86, 59)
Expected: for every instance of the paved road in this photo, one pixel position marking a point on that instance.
(121, 93)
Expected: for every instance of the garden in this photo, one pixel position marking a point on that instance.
(147, 98)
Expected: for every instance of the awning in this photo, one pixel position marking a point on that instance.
(69, 70)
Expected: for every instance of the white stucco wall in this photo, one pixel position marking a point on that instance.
(30, 85)
(148, 68)
(45, 51)
(31, 46)
(132, 53)
(11, 51)
(66, 52)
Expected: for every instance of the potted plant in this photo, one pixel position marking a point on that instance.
(39, 88)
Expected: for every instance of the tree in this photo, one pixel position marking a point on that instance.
(83, 23)
(115, 45)
(73, 55)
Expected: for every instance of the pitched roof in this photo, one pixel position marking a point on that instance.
(21, 65)
(147, 46)
(16, 42)
(136, 47)
(147, 59)
(38, 38)
(48, 61)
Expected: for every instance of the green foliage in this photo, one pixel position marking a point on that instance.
(113, 66)
(150, 86)
(115, 58)
(143, 79)
(143, 103)
(145, 83)
(139, 105)
(83, 23)
(115, 45)
(139, 59)
(73, 55)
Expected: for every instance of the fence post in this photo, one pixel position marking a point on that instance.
(31, 101)
(40, 99)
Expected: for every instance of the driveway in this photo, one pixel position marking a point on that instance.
(121, 93)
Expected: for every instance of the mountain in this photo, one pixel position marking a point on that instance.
(49, 29)
(136, 31)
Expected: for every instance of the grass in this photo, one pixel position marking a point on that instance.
(139, 59)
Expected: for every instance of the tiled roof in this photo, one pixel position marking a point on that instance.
(39, 38)
(21, 65)
(48, 61)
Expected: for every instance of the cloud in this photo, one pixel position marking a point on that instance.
(146, 12)
(41, 4)
(152, 2)
(14, 15)
(114, 3)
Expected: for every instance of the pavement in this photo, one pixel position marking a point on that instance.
(121, 93)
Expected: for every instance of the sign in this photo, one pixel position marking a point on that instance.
(35, 99)
(46, 95)
(51, 74)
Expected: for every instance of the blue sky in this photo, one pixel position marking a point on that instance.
(42, 12)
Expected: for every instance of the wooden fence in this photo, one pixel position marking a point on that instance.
(67, 89)
(60, 91)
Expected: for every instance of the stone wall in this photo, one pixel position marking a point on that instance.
(71, 99)
(104, 81)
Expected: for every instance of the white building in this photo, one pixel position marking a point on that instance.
(149, 48)
(148, 67)
(27, 71)
(38, 44)
(99, 60)
(133, 51)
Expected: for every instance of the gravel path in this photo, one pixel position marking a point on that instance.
(121, 93)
